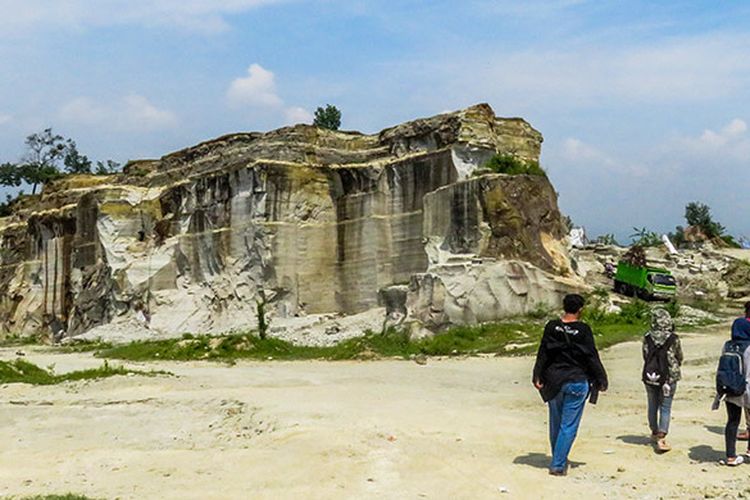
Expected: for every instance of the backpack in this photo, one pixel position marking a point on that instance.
(656, 364)
(730, 375)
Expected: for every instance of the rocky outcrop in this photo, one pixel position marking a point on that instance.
(318, 221)
(704, 272)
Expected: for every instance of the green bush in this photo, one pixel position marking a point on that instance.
(730, 241)
(511, 165)
(634, 312)
(20, 371)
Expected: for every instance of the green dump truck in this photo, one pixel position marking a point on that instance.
(644, 282)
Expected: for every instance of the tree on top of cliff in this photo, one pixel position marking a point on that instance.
(328, 117)
(75, 162)
(699, 215)
(43, 153)
(41, 163)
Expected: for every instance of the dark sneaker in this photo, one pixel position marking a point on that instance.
(558, 472)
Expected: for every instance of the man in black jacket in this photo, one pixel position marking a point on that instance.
(567, 367)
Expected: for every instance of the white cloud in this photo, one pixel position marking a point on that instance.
(133, 113)
(730, 142)
(258, 88)
(296, 115)
(688, 69)
(208, 16)
(5, 118)
(575, 151)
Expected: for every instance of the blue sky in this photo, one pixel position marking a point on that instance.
(644, 106)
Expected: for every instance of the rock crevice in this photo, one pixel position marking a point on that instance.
(320, 222)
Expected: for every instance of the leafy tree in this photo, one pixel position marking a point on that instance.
(328, 117)
(40, 163)
(75, 162)
(10, 175)
(644, 238)
(107, 168)
(699, 215)
(606, 239)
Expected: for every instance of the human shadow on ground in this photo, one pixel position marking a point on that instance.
(716, 429)
(635, 439)
(705, 453)
(541, 461)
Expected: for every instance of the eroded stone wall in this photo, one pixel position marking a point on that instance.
(316, 221)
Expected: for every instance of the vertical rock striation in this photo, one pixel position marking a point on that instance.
(318, 221)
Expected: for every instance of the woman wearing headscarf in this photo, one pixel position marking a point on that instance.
(662, 358)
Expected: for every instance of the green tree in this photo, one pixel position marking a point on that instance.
(107, 168)
(699, 215)
(43, 153)
(328, 117)
(10, 175)
(75, 162)
(645, 238)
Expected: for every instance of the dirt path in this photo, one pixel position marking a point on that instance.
(469, 428)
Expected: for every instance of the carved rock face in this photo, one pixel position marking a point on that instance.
(319, 221)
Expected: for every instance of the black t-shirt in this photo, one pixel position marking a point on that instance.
(567, 353)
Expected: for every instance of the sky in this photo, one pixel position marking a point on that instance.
(644, 106)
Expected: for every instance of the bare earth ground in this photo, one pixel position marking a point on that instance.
(455, 428)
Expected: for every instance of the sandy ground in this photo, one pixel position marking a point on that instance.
(460, 428)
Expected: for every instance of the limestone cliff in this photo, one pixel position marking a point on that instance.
(318, 221)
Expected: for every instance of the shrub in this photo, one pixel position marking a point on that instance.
(645, 238)
(636, 311)
(511, 165)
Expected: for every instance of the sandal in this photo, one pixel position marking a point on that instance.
(662, 446)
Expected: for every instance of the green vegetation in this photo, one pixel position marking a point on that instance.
(20, 340)
(64, 496)
(644, 238)
(511, 165)
(48, 156)
(20, 371)
(490, 337)
(514, 337)
(606, 239)
(699, 215)
(328, 117)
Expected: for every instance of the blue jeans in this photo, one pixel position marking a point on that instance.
(565, 412)
(659, 408)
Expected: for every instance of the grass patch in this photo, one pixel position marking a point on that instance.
(518, 337)
(21, 371)
(64, 496)
(486, 338)
(21, 340)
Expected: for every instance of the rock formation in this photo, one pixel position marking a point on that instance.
(318, 221)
